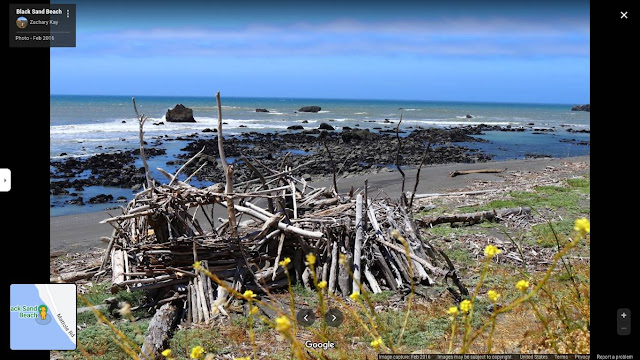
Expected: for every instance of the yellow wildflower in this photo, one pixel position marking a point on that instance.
(196, 265)
(248, 295)
(242, 358)
(453, 310)
(197, 352)
(254, 310)
(522, 285)
(355, 296)
(493, 295)
(311, 259)
(285, 262)
(583, 226)
(322, 284)
(377, 343)
(282, 324)
(466, 306)
(342, 259)
(166, 353)
(491, 251)
(125, 309)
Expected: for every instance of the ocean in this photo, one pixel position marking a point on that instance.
(81, 126)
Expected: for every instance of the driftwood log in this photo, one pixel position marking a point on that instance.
(475, 217)
(478, 171)
(160, 328)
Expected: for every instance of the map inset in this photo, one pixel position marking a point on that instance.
(43, 316)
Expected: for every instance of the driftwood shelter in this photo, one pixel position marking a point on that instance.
(157, 239)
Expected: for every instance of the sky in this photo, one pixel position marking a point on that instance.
(517, 51)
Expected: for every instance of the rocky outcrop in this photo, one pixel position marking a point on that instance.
(586, 107)
(313, 109)
(469, 116)
(180, 113)
(262, 110)
(295, 127)
(358, 135)
(325, 126)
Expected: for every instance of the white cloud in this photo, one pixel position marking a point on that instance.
(456, 36)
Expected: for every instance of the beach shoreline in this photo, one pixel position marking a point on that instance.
(82, 232)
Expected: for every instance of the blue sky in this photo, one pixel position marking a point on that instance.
(455, 50)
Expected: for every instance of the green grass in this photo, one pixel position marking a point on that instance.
(544, 236)
(96, 295)
(570, 200)
(209, 339)
(99, 341)
(383, 296)
(421, 331)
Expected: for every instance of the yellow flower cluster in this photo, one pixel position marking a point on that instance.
(342, 259)
(355, 296)
(522, 285)
(242, 358)
(248, 295)
(491, 251)
(196, 265)
(166, 353)
(453, 310)
(322, 284)
(283, 324)
(583, 226)
(377, 343)
(493, 295)
(311, 259)
(197, 352)
(254, 310)
(466, 306)
(285, 262)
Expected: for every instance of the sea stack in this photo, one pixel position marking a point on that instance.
(180, 113)
(585, 107)
(313, 109)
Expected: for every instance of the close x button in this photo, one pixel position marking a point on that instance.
(624, 322)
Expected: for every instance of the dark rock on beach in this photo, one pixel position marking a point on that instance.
(207, 130)
(101, 199)
(180, 113)
(586, 107)
(313, 109)
(77, 201)
(325, 126)
(295, 127)
(262, 110)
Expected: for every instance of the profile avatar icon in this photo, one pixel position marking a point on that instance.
(22, 22)
(43, 317)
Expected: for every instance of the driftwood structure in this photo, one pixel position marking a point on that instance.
(167, 227)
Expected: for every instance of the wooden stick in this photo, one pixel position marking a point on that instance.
(117, 269)
(141, 120)
(373, 284)
(358, 243)
(478, 171)
(277, 262)
(105, 260)
(282, 226)
(228, 171)
(334, 267)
